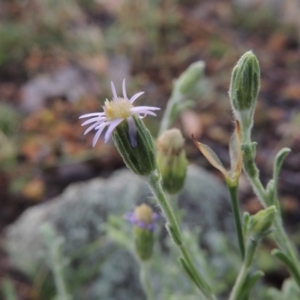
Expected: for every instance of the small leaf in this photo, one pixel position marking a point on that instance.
(289, 264)
(281, 155)
(189, 272)
(211, 156)
(270, 187)
(249, 283)
(246, 219)
(175, 234)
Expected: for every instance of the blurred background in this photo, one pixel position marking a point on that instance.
(58, 57)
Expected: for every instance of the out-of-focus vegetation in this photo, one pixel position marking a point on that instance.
(42, 150)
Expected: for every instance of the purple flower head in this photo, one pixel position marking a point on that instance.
(115, 112)
(142, 217)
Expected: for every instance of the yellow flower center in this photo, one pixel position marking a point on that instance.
(118, 109)
(144, 213)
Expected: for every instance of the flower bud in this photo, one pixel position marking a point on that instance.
(140, 159)
(171, 160)
(190, 77)
(245, 83)
(244, 88)
(261, 222)
(143, 219)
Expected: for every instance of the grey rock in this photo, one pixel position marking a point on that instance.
(80, 211)
(72, 82)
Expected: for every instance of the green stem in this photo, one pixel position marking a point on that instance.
(167, 117)
(206, 289)
(253, 175)
(155, 184)
(233, 190)
(280, 235)
(59, 282)
(175, 233)
(145, 280)
(56, 260)
(244, 271)
(174, 205)
(285, 244)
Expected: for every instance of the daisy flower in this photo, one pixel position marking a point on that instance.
(116, 111)
(142, 217)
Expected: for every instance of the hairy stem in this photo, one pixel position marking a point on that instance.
(145, 280)
(244, 271)
(233, 189)
(280, 235)
(175, 233)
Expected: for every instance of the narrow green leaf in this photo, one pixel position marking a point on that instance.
(189, 272)
(289, 264)
(246, 219)
(270, 193)
(281, 155)
(173, 231)
(249, 284)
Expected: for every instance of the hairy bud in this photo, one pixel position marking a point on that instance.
(140, 159)
(171, 160)
(143, 219)
(244, 89)
(190, 77)
(261, 222)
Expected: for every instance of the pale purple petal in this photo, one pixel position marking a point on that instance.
(134, 97)
(130, 216)
(102, 124)
(97, 119)
(143, 108)
(113, 89)
(145, 113)
(96, 126)
(142, 111)
(97, 135)
(112, 126)
(132, 131)
(150, 113)
(124, 89)
(92, 115)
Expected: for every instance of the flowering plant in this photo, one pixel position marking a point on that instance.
(135, 144)
(116, 111)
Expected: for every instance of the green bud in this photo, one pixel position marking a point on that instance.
(261, 222)
(144, 242)
(243, 92)
(143, 231)
(140, 159)
(245, 83)
(171, 160)
(189, 79)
